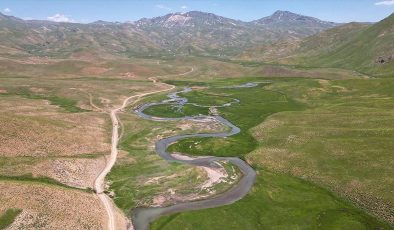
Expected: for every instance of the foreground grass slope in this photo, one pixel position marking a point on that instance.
(276, 202)
(344, 143)
(8, 217)
(279, 200)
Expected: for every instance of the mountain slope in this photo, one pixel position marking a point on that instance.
(365, 47)
(318, 44)
(331, 39)
(369, 49)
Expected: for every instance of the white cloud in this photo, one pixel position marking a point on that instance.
(385, 3)
(184, 7)
(60, 18)
(163, 7)
(7, 10)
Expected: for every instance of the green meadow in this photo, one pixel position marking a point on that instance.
(299, 168)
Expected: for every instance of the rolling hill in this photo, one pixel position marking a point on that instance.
(365, 47)
(368, 49)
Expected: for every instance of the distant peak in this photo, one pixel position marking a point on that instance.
(101, 22)
(288, 17)
(186, 19)
(282, 12)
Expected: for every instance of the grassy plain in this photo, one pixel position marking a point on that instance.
(255, 104)
(317, 130)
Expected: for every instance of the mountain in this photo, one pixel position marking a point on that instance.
(194, 32)
(63, 40)
(201, 32)
(208, 32)
(294, 24)
(189, 19)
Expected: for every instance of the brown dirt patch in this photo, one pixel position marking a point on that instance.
(94, 70)
(75, 172)
(79, 173)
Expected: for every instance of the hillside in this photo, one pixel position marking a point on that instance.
(365, 47)
(321, 43)
(368, 49)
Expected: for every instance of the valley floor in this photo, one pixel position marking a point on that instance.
(320, 145)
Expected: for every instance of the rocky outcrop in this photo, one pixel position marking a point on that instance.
(385, 59)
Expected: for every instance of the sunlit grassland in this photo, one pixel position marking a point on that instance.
(255, 103)
(276, 201)
(352, 116)
(344, 143)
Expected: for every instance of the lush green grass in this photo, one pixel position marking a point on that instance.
(8, 217)
(299, 204)
(276, 202)
(344, 143)
(255, 105)
(175, 111)
(207, 99)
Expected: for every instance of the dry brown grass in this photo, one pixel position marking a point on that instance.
(94, 70)
(74, 172)
(34, 128)
(50, 207)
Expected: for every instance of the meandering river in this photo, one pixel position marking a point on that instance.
(142, 217)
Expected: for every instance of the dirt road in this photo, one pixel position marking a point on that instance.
(99, 183)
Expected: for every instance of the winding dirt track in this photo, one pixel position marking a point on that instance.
(99, 182)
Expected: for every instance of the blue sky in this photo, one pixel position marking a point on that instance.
(85, 11)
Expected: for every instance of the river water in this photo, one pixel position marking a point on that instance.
(142, 217)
